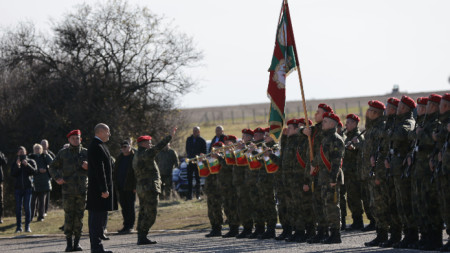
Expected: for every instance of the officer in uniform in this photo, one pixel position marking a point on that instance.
(244, 186)
(315, 132)
(351, 180)
(399, 147)
(329, 161)
(69, 169)
(148, 183)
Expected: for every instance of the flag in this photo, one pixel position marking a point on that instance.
(283, 63)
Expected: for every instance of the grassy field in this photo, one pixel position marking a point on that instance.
(172, 215)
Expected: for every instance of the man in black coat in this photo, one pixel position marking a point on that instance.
(100, 186)
(3, 162)
(195, 145)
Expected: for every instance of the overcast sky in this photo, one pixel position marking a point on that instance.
(346, 48)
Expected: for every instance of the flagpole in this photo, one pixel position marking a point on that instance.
(311, 151)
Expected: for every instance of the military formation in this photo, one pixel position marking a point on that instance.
(396, 171)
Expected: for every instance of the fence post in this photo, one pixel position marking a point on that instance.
(254, 115)
(232, 116)
(346, 107)
(243, 116)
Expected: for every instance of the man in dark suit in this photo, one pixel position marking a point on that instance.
(195, 145)
(100, 187)
(218, 137)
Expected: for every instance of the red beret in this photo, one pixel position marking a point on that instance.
(293, 121)
(230, 138)
(446, 97)
(74, 132)
(259, 130)
(218, 144)
(332, 116)
(408, 101)
(144, 138)
(377, 104)
(302, 121)
(422, 101)
(354, 116)
(248, 131)
(325, 107)
(393, 101)
(435, 98)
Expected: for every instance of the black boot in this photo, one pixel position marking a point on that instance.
(310, 231)
(405, 241)
(234, 231)
(322, 233)
(422, 241)
(259, 230)
(382, 236)
(299, 236)
(358, 223)
(446, 247)
(269, 234)
(76, 244)
(69, 246)
(343, 224)
(370, 227)
(245, 233)
(216, 231)
(396, 236)
(413, 238)
(287, 232)
(143, 240)
(335, 237)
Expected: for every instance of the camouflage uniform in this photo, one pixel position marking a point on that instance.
(148, 185)
(404, 124)
(243, 189)
(424, 195)
(214, 201)
(351, 179)
(329, 160)
(167, 159)
(229, 194)
(395, 225)
(67, 165)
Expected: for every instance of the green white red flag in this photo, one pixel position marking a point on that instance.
(283, 63)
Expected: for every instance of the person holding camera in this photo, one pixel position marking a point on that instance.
(23, 170)
(70, 170)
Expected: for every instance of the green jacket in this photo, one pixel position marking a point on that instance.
(349, 165)
(373, 138)
(400, 142)
(145, 168)
(67, 165)
(331, 153)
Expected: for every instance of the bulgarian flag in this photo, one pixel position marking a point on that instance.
(283, 63)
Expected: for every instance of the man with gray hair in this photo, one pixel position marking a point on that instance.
(218, 137)
(195, 145)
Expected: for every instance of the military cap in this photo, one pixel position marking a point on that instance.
(293, 121)
(230, 138)
(408, 101)
(218, 144)
(393, 101)
(74, 132)
(302, 121)
(259, 130)
(248, 131)
(332, 116)
(354, 116)
(144, 138)
(435, 98)
(446, 97)
(377, 104)
(325, 107)
(422, 101)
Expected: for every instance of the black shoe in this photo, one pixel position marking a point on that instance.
(269, 234)
(69, 247)
(27, 230)
(395, 238)
(124, 231)
(445, 248)
(321, 235)
(357, 224)
(143, 240)
(259, 230)
(76, 245)
(101, 251)
(343, 223)
(370, 227)
(244, 234)
(335, 237)
(234, 231)
(104, 237)
(381, 237)
(215, 232)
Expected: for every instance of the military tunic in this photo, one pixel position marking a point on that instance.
(67, 165)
